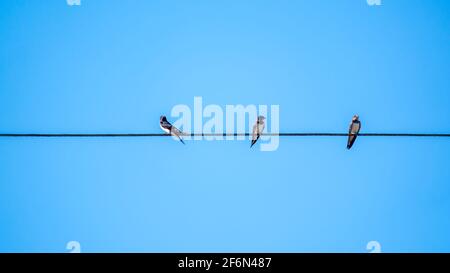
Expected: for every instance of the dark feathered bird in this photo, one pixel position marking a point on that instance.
(258, 128)
(355, 126)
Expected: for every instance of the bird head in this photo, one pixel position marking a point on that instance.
(261, 118)
(355, 118)
(162, 119)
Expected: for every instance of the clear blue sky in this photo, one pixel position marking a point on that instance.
(111, 66)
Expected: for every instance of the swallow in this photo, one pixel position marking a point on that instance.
(258, 128)
(355, 126)
(169, 128)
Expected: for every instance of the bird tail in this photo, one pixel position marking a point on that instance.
(254, 141)
(177, 133)
(350, 142)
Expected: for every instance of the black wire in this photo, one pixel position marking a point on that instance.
(225, 134)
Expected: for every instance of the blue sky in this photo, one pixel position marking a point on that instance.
(110, 66)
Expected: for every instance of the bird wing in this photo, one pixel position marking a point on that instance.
(261, 128)
(255, 133)
(177, 132)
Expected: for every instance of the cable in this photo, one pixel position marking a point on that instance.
(225, 134)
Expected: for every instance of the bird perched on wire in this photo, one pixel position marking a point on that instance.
(258, 128)
(169, 128)
(355, 126)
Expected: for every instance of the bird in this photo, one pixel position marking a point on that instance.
(355, 126)
(258, 128)
(169, 128)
